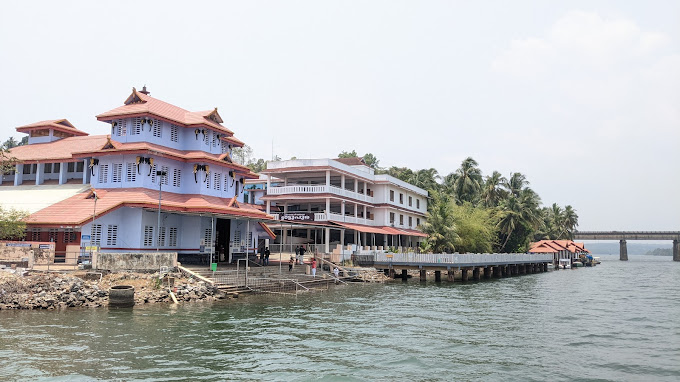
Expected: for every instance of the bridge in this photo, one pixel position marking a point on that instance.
(500, 265)
(622, 236)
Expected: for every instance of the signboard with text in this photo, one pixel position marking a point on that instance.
(298, 217)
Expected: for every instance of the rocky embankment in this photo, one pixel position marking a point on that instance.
(61, 290)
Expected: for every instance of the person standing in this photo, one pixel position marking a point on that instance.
(302, 254)
(297, 253)
(267, 252)
(313, 267)
(290, 264)
(336, 272)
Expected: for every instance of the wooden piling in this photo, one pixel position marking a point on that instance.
(450, 275)
(475, 273)
(423, 275)
(438, 276)
(464, 274)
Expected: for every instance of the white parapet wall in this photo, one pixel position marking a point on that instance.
(145, 262)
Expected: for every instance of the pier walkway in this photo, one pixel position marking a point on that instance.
(622, 236)
(498, 265)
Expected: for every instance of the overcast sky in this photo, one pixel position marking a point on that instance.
(583, 97)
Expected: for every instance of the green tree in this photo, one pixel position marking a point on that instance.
(439, 224)
(12, 225)
(492, 191)
(7, 161)
(475, 227)
(570, 221)
(468, 182)
(242, 155)
(11, 143)
(371, 161)
(348, 154)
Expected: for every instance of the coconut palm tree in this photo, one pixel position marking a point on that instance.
(439, 224)
(570, 221)
(516, 183)
(468, 184)
(492, 193)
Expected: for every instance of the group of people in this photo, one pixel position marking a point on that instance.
(300, 254)
(264, 256)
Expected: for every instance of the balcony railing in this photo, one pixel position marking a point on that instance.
(318, 189)
(322, 216)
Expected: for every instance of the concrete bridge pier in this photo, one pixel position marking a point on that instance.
(464, 274)
(676, 250)
(497, 271)
(487, 272)
(475, 273)
(450, 275)
(438, 276)
(545, 267)
(423, 275)
(623, 251)
(391, 273)
(404, 274)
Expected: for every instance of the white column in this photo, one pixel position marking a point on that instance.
(285, 181)
(62, 172)
(342, 208)
(328, 180)
(285, 208)
(269, 206)
(269, 182)
(328, 207)
(40, 174)
(365, 211)
(356, 211)
(86, 171)
(342, 181)
(356, 185)
(19, 174)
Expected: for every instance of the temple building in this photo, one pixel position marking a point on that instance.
(161, 179)
(339, 206)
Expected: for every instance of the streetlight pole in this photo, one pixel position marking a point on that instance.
(160, 175)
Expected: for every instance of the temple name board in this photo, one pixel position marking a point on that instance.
(299, 217)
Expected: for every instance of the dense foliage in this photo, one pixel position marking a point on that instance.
(12, 225)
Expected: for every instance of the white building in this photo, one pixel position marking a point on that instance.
(340, 206)
(157, 156)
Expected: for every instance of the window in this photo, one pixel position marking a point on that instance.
(80, 166)
(417, 221)
(206, 138)
(207, 181)
(176, 177)
(103, 173)
(120, 128)
(401, 198)
(27, 169)
(161, 236)
(418, 203)
(401, 219)
(112, 235)
(96, 234)
(391, 217)
(35, 234)
(217, 184)
(237, 238)
(153, 174)
(156, 128)
(136, 126)
(53, 232)
(410, 221)
(71, 166)
(174, 133)
(164, 178)
(131, 172)
(214, 139)
(117, 173)
(172, 237)
(48, 168)
(207, 237)
(410, 201)
(69, 235)
(148, 236)
(391, 195)
(56, 168)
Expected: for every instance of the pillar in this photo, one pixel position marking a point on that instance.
(19, 174)
(40, 174)
(391, 273)
(623, 255)
(328, 180)
(404, 274)
(464, 274)
(327, 244)
(86, 171)
(342, 181)
(676, 250)
(475, 273)
(356, 185)
(450, 275)
(487, 272)
(497, 271)
(504, 270)
(328, 208)
(438, 276)
(269, 207)
(423, 275)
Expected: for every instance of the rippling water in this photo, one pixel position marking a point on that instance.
(619, 321)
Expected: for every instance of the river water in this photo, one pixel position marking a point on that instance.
(619, 321)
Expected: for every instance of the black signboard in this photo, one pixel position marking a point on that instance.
(298, 217)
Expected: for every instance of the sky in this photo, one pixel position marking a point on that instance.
(583, 97)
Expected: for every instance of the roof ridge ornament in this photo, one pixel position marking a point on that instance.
(135, 97)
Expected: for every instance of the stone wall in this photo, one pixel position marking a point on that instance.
(152, 261)
(26, 253)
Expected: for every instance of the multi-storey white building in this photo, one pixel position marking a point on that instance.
(332, 203)
(157, 157)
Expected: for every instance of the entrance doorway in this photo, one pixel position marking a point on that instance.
(223, 229)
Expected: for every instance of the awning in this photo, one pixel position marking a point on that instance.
(413, 232)
(267, 230)
(364, 228)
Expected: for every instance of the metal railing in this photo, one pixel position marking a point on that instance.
(318, 189)
(480, 259)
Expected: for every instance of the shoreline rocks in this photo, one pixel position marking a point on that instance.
(50, 291)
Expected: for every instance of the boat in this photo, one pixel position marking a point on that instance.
(576, 264)
(596, 260)
(565, 264)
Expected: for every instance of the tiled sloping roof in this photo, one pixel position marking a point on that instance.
(57, 124)
(78, 209)
(58, 150)
(551, 246)
(150, 105)
(351, 161)
(186, 156)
